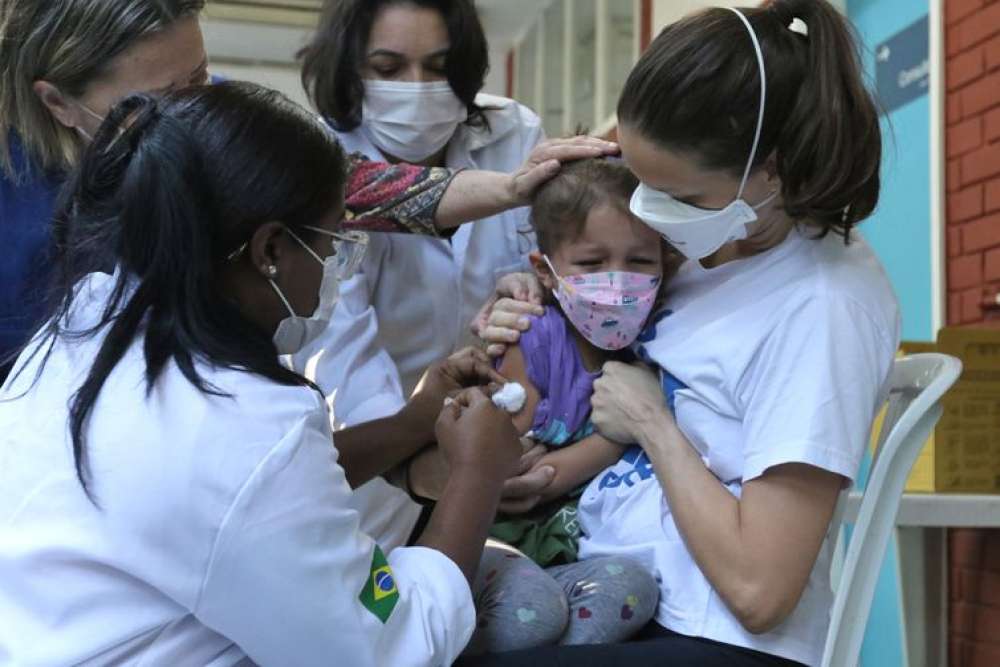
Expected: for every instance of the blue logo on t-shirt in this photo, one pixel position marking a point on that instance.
(641, 470)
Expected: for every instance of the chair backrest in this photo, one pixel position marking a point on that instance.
(918, 382)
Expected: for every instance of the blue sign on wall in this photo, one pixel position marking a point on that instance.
(902, 65)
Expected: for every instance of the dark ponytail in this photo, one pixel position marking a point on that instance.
(696, 90)
(167, 190)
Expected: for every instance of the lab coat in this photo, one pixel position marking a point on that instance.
(223, 529)
(414, 297)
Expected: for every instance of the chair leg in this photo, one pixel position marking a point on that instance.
(922, 564)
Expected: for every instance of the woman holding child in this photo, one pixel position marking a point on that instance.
(758, 149)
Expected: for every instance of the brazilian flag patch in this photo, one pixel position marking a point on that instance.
(379, 594)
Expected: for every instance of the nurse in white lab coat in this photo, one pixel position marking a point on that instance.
(170, 493)
(400, 82)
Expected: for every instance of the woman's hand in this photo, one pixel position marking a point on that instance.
(501, 320)
(545, 159)
(465, 368)
(428, 474)
(523, 492)
(626, 399)
(476, 437)
(474, 195)
(480, 445)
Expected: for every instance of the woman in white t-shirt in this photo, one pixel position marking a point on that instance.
(773, 347)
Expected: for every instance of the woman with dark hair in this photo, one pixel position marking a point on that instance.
(171, 491)
(401, 80)
(64, 63)
(758, 149)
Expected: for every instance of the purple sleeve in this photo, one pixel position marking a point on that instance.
(536, 346)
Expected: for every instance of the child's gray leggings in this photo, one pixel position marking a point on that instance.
(520, 605)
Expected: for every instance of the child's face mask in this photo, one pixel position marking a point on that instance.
(609, 308)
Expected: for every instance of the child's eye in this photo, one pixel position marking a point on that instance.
(589, 262)
(643, 260)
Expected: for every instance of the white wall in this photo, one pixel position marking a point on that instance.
(284, 79)
(265, 54)
(257, 52)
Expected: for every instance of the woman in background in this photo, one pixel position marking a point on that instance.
(401, 81)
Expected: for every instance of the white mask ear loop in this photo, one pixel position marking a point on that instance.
(274, 285)
(304, 245)
(763, 96)
(281, 296)
(555, 274)
(551, 268)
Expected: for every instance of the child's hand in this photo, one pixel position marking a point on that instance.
(502, 319)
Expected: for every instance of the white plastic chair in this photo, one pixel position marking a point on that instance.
(917, 385)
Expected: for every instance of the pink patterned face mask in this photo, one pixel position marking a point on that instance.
(609, 308)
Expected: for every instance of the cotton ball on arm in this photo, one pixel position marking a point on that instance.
(511, 397)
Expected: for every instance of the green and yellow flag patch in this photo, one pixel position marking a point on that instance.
(379, 594)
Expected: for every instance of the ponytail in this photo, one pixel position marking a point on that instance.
(830, 147)
(696, 90)
(162, 195)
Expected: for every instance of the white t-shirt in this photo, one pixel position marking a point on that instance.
(224, 529)
(781, 357)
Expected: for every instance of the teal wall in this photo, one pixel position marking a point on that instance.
(900, 234)
(899, 231)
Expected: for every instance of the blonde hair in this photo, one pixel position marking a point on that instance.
(68, 43)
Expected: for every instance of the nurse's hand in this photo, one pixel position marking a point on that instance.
(428, 473)
(626, 398)
(501, 320)
(476, 437)
(523, 492)
(466, 368)
(541, 163)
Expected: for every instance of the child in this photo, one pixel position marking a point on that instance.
(602, 270)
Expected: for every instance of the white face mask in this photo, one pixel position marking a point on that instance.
(698, 232)
(411, 121)
(296, 332)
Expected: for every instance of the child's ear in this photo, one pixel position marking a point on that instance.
(542, 270)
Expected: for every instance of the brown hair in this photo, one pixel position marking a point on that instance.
(68, 43)
(696, 90)
(332, 62)
(559, 211)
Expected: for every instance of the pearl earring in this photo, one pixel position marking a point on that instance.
(271, 270)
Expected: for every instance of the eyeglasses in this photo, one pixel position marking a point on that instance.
(349, 249)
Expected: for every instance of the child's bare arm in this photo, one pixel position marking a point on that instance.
(513, 368)
(578, 463)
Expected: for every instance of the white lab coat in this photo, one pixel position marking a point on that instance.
(414, 297)
(223, 529)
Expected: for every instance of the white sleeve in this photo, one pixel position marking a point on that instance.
(813, 388)
(292, 581)
(355, 373)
